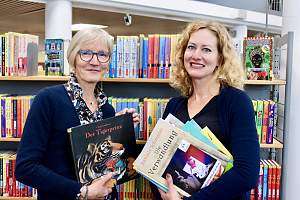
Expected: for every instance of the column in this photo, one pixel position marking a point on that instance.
(239, 33)
(291, 161)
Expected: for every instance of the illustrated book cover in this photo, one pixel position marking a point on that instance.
(192, 163)
(258, 58)
(104, 146)
(54, 57)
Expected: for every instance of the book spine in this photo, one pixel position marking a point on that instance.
(150, 55)
(270, 122)
(156, 56)
(260, 106)
(120, 57)
(265, 122)
(161, 64)
(145, 58)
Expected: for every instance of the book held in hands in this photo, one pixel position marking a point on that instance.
(193, 164)
(104, 146)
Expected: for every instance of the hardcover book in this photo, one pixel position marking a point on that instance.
(104, 146)
(54, 57)
(258, 58)
(192, 163)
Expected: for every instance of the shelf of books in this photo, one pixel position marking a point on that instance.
(276, 144)
(125, 80)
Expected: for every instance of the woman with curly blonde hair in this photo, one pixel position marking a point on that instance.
(210, 78)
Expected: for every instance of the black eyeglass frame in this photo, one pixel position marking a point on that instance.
(81, 52)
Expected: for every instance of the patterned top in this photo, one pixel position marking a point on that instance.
(85, 115)
(75, 93)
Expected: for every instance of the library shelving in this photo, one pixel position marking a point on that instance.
(125, 80)
(276, 144)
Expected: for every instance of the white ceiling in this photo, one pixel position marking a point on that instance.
(29, 17)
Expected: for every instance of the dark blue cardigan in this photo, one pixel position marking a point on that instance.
(239, 136)
(44, 158)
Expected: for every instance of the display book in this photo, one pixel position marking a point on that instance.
(193, 156)
(258, 54)
(104, 146)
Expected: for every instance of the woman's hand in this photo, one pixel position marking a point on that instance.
(135, 115)
(101, 187)
(172, 194)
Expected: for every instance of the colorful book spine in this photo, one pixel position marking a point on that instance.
(270, 122)
(162, 63)
(145, 58)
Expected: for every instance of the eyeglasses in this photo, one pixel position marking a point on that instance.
(87, 55)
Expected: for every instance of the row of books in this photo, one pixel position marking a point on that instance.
(135, 189)
(191, 154)
(9, 186)
(268, 185)
(150, 110)
(143, 57)
(13, 114)
(266, 120)
(18, 54)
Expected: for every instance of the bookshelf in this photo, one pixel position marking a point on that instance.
(276, 144)
(125, 80)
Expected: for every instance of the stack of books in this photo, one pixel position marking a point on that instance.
(192, 155)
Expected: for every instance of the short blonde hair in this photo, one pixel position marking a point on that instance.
(229, 71)
(85, 37)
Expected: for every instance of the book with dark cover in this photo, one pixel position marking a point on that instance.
(104, 146)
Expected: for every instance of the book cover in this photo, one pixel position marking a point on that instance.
(54, 59)
(258, 58)
(104, 146)
(192, 163)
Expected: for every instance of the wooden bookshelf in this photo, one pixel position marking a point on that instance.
(141, 141)
(125, 80)
(17, 198)
(276, 145)
(10, 139)
(265, 82)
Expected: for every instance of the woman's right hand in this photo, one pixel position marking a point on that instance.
(101, 187)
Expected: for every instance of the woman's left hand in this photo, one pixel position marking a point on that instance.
(135, 115)
(172, 194)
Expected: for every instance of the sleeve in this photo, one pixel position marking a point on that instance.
(33, 146)
(245, 150)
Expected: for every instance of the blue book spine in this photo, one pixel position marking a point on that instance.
(162, 44)
(3, 118)
(145, 58)
(119, 105)
(265, 181)
(167, 55)
(113, 63)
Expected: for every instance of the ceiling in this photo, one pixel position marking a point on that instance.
(29, 17)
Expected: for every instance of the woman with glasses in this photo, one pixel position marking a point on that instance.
(44, 158)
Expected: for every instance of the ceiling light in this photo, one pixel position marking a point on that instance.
(77, 27)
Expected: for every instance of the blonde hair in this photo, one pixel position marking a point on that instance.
(229, 71)
(85, 37)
